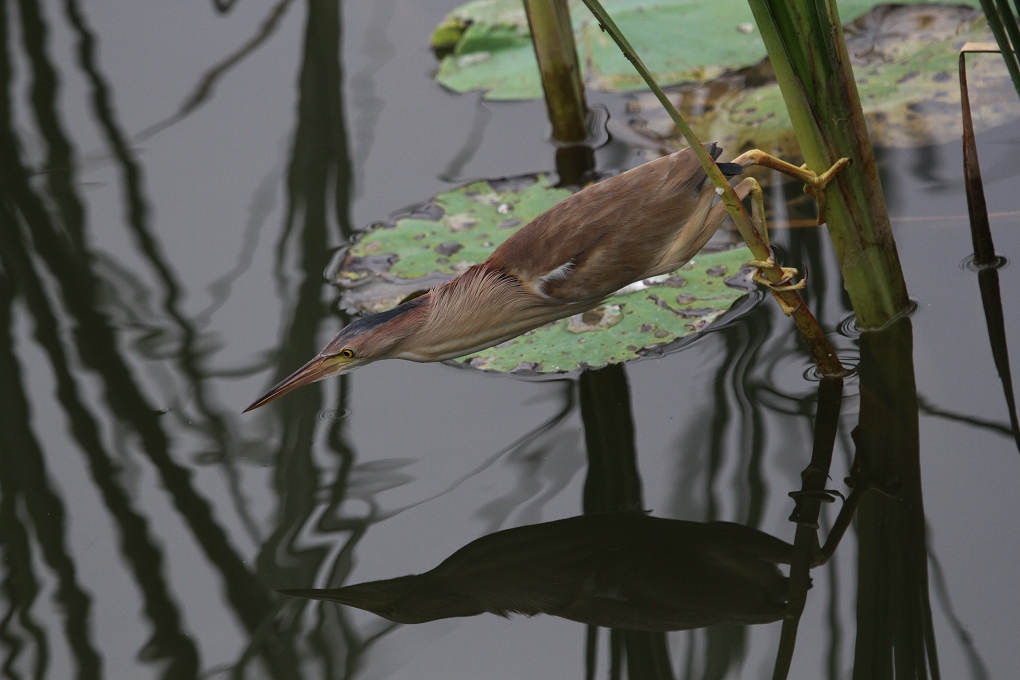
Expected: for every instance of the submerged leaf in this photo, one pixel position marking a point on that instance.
(462, 227)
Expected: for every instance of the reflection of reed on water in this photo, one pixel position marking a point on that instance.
(316, 217)
(25, 482)
(204, 89)
(895, 628)
(59, 238)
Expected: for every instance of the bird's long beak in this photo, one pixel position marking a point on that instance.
(318, 368)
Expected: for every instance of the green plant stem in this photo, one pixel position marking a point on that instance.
(805, 43)
(553, 38)
(818, 345)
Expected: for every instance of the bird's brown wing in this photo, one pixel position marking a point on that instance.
(610, 234)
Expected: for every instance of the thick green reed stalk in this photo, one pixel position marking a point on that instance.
(804, 39)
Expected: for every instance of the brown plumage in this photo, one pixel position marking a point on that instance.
(648, 221)
(641, 223)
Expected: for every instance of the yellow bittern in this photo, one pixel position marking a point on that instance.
(648, 221)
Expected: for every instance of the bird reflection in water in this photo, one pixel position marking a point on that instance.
(618, 570)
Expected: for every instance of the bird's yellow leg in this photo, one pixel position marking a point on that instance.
(780, 280)
(767, 272)
(814, 184)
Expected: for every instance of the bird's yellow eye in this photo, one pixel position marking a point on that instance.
(347, 353)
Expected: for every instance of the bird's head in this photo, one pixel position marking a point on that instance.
(363, 341)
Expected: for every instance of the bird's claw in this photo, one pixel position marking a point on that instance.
(788, 274)
(815, 186)
(784, 285)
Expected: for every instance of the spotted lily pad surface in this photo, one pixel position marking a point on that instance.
(462, 227)
(679, 41)
(454, 230)
(905, 64)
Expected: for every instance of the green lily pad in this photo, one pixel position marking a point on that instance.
(905, 63)
(679, 41)
(455, 230)
(462, 227)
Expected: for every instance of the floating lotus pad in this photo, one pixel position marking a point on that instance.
(462, 227)
(679, 41)
(455, 229)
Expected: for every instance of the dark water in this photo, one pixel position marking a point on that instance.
(167, 215)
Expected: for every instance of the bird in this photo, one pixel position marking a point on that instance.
(624, 570)
(647, 221)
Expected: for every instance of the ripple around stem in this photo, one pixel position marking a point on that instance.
(848, 326)
(970, 263)
(849, 359)
(335, 414)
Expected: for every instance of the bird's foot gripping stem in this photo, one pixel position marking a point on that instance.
(814, 184)
(784, 285)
